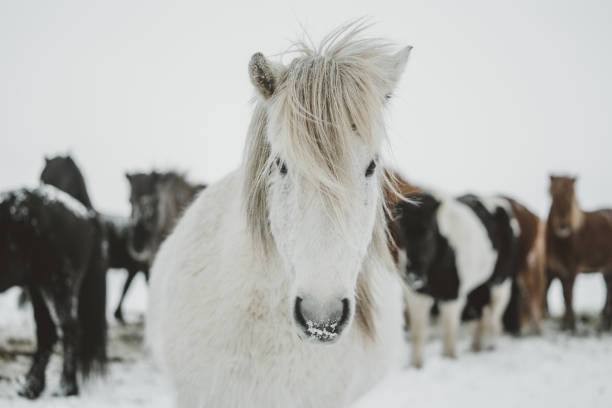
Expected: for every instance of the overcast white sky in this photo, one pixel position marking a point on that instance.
(495, 95)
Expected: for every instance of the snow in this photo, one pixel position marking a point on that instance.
(51, 193)
(555, 370)
(132, 380)
(320, 332)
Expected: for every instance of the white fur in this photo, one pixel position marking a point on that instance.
(220, 327)
(490, 325)
(475, 255)
(322, 269)
(450, 315)
(419, 307)
(225, 283)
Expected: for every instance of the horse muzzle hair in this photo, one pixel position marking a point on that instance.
(321, 322)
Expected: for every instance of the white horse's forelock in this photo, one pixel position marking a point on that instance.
(326, 96)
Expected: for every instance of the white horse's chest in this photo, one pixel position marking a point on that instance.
(221, 326)
(268, 366)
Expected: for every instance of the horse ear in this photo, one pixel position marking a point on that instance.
(128, 176)
(47, 159)
(397, 66)
(263, 75)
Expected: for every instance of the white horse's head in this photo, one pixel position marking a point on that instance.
(314, 177)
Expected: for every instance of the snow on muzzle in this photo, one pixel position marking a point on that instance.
(319, 322)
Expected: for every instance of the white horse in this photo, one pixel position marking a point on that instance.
(276, 288)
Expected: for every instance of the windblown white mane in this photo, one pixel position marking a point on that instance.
(294, 240)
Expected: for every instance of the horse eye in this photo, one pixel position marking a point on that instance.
(283, 167)
(370, 169)
(353, 127)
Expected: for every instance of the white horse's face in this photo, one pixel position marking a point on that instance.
(322, 261)
(320, 141)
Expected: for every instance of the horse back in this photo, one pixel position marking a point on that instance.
(46, 234)
(497, 220)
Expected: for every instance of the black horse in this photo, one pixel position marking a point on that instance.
(119, 256)
(158, 201)
(63, 173)
(53, 246)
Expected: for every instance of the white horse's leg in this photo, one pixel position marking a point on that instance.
(419, 306)
(500, 296)
(450, 314)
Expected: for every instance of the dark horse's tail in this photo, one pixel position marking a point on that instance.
(92, 310)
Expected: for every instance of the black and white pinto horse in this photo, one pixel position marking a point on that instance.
(460, 253)
(53, 246)
(63, 173)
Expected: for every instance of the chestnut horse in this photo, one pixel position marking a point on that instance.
(531, 268)
(578, 241)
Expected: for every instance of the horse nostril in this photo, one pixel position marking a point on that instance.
(321, 322)
(346, 312)
(297, 313)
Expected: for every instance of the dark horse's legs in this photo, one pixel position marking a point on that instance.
(567, 281)
(126, 286)
(46, 336)
(66, 306)
(606, 314)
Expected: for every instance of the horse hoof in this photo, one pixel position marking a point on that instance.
(66, 390)
(417, 363)
(568, 325)
(31, 389)
(119, 317)
(605, 326)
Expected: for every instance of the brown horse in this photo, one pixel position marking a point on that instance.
(531, 267)
(578, 242)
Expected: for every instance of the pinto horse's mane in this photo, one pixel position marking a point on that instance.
(326, 96)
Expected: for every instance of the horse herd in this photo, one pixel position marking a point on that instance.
(314, 240)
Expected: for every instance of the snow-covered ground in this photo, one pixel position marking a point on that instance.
(554, 370)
